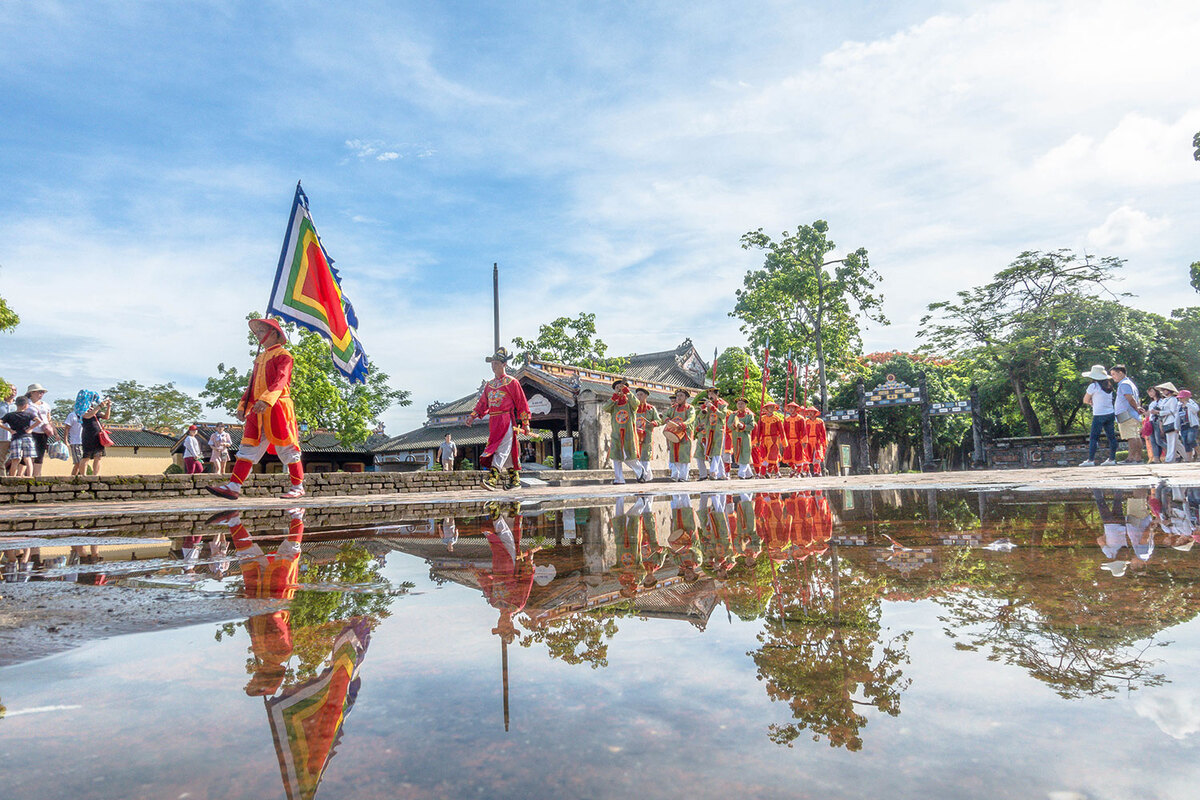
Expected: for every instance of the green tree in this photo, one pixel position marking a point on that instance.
(731, 376)
(568, 341)
(158, 407)
(1033, 325)
(323, 397)
(1194, 270)
(8, 318)
(801, 306)
(901, 425)
(1196, 144)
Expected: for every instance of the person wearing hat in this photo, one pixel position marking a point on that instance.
(193, 458)
(726, 462)
(741, 425)
(1099, 396)
(818, 440)
(503, 402)
(269, 416)
(44, 431)
(770, 435)
(710, 436)
(623, 441)
(1168, 418)
(647, 419)
(1189, 424)
(679, 429)
(795, 427)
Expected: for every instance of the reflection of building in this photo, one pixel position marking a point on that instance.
(563, 400)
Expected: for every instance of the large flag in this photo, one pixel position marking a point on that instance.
(308, 292)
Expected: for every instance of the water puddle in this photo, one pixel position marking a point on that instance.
(813, 644)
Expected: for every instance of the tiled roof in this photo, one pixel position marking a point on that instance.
(668, 366)
(318, 441)
(462, 405)
(430, 436)
(126, 436)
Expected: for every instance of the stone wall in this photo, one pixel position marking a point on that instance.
(1041, 451)
(153, 487)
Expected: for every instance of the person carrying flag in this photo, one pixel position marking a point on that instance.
(269, 416)
(503, 402)
(740, 425)
(795, 427)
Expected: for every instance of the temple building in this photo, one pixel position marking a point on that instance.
(567, 411)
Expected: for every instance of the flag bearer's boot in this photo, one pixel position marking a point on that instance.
(512, 479)
(494, 480)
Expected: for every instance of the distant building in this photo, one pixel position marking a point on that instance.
(320, 450)
(137, 451)
(564, 401)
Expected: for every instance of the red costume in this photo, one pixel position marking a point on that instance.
(769, 434)
(818, 439)
(503, 403)
(795, 427)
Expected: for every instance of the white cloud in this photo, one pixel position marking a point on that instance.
(1176, 711)
(1126, 229)
(390, 155)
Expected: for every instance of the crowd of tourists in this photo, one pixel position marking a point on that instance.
(1163, 429)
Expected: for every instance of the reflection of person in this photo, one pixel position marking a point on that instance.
(503, 402)
(1125, 525)
(508, 583)
(269, 416)
(449, 533)
(267, 576)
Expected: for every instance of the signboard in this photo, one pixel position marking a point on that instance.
(892, 393)
(566, 452)
(539, 405)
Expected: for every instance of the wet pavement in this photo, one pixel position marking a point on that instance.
(1007, 640)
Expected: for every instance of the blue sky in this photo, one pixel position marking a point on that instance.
(607, 155)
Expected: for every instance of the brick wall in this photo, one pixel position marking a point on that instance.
(151, 487)
(1042, 451)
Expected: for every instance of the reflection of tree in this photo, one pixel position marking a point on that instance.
(1079, 637)
(349, 586)
(580, 638)
(749, 590)
(821, 654)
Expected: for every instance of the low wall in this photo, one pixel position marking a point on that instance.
(1041, 451)
(153, 487)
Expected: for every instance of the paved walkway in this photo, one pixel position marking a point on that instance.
(1033, 479)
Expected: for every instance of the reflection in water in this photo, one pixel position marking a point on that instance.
(1075, 591)
(329, 631)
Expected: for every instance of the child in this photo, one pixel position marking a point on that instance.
(22, 450)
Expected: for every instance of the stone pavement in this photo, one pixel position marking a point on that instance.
(1131, 476)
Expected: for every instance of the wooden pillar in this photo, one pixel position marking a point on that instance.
(927, 464)
(863, 467)
(978, 456)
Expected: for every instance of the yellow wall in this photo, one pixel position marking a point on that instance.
(119, 461)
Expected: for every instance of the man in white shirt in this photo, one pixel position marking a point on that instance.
(1128, 408)
(1099, 397)
(74, 436)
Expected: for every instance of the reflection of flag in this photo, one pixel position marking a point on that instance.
(306, 720)
(308, 292)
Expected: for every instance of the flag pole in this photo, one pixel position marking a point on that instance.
(496, 305)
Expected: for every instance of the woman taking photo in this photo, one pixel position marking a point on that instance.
(1156, 445)
(94, 411)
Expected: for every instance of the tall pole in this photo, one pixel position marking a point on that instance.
(496, 304)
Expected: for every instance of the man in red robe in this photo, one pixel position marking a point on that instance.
(770, 435)
(269, 416)
(818, 439)
(795, 426)
(503, 402)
